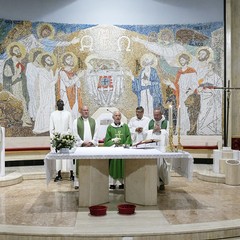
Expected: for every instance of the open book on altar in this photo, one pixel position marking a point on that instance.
(149, 143)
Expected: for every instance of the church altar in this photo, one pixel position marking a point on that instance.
(140, 172)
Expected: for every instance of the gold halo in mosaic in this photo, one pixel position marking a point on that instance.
(54, 59)
(165, 32)
(183, 53)
(150, 57)
(207, 49)
(45, 25)
(32, 51)
(75, 60)
(19, 45)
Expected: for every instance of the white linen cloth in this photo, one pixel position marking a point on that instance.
(182, 162)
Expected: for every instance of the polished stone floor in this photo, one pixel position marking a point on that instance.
(182, 203)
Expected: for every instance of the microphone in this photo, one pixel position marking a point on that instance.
(109, 111)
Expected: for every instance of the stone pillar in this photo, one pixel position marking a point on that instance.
(232, 172)
(233, 48)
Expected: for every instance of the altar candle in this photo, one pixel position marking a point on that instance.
(170, 116)
(179, 116)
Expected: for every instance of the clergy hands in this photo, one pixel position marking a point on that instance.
(87, 144)
(139, 129)
(116, 140)
(157, 129)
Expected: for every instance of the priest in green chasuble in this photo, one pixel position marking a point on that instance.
(117, 134)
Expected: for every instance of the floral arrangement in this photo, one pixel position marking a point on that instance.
(60, 140)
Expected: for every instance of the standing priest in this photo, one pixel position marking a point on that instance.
(117, 134)
(61, 122)
(85, 130)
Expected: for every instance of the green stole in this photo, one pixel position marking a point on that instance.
(80, 129)
(163, 124)
(80, 126)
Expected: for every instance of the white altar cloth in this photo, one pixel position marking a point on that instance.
(182, 162)
(140, 171)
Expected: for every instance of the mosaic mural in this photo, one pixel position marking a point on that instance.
(119, 66)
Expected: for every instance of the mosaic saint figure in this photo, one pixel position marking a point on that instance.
(45, 39)
(185, 86)
(210, 117)
(147, 85)
(47, 101)
(32, 74)
(69, 86)
(14, 77)
(200, 62)
(166, 47)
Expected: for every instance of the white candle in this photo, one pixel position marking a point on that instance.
(179, 116)
(170, 116)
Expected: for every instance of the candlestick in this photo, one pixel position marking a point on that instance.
(170, 146)
(179, 116)
(179, 146)
(170, 113)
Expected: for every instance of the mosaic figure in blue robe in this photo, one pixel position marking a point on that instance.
(147, 85)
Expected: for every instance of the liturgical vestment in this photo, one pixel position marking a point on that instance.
(116, 166)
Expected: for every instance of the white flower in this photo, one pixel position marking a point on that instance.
(59, 141)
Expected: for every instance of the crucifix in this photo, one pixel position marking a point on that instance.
(226, 110)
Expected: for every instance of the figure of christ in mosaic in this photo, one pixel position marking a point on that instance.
(14, 78)
(185, 87)
(32, 74)
(45, 39)
(209, 121)
(165, 47)
(147, 85)
(69, 86)
(200, 62)
(210, 117)
(47, 97)
(104, 78)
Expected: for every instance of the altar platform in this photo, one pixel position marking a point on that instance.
(186, 210)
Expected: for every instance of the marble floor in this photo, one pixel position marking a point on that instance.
(186, 210)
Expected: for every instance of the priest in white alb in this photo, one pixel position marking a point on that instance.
(138, 126)
(61, 122)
